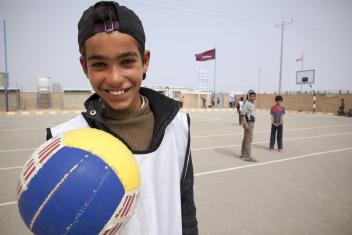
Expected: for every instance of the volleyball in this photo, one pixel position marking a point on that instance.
(84, 181)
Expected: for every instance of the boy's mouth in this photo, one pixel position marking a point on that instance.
(117, 92)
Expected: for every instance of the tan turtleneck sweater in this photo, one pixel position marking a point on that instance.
(136, 128)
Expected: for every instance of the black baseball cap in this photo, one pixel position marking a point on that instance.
(123, 20)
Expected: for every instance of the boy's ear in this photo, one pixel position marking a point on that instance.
(146, 59)
(83, 61)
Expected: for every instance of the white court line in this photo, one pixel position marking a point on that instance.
(214, 147)
(241, 167)
(264, 132)
(22, 129)
(16, 150)
(8, 203)
(271, 162)
(262, 142)
(10, 168)
(205, 136)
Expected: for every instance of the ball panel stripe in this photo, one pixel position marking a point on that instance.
(43, 151)
(46, 179)
(117, 216)
(43, 156)
(28, 167)
(30, 162)
(118, 158)
(123, 206)
(129, 206)
(33, 165)
(19, 189)
(31, 170)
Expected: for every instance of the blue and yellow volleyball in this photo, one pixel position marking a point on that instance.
(84, 181)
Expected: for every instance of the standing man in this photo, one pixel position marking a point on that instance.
(248, 119)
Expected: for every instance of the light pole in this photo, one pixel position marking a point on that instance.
(282, 26)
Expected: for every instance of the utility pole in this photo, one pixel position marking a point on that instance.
(282, 46)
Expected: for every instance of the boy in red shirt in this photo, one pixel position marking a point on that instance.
(277, 112)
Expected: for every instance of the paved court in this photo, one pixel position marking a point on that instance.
(305, 189)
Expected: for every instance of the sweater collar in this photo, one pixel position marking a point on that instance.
(163, 108)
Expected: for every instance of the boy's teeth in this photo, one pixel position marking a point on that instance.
(119, 92)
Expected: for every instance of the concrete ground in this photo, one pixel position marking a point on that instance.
(305, 189)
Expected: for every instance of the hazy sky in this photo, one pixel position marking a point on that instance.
(42, 41)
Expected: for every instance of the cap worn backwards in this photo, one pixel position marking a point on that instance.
(126, 22)
(251, 92)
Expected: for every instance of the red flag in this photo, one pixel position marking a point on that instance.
(207, 55)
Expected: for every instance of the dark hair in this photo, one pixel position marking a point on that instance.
(278, 98)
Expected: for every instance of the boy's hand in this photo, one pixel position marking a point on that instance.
(245, 125)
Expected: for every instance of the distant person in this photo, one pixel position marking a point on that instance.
(231, 101)
(204, 102)
(182, 100)
(248, 119)
(239, 109)
(212, 102)
(113, 57)
(277, 113)
(217, 102)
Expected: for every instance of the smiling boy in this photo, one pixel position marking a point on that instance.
(113, 57)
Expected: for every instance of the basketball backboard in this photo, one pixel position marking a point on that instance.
(305, 77)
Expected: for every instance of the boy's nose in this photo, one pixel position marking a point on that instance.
(115, 74)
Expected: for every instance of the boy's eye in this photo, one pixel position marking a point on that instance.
(98, 65)
(127, 61)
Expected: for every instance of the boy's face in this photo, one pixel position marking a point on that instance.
(115, 68)
(252, 97)
(278, 102)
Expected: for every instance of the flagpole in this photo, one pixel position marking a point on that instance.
(214, 71)
(6, 82)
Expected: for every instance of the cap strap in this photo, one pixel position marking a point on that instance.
(107, 26)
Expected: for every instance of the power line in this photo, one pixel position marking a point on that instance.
(321, 38)
(228, 13)
(319, 31)
(208, 11)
